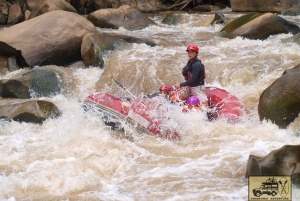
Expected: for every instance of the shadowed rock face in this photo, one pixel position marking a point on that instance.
(280, 102)
(259, 26)
(281, 162)
(52, 38)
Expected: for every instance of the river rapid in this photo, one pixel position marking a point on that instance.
(76, 157)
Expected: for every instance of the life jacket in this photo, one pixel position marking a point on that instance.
(187, 71)
(191, 108)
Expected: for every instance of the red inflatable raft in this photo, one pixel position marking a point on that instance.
(115, 110)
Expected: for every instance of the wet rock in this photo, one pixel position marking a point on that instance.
(30, 111)
(259, 26)
(280, 102)
(3, 12)
(172, 19)
(44, 6)
(284, 161)
(95, 45)
(52, 38)
(262, 6)
(36, 83)
(15, 15)
(291, 11)
(126, 17)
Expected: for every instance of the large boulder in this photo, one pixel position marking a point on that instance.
(259, 26)
(35, 83)
(262, 6)
(44, 6)
(95, 45)
(52, 38)
(30, 111)
(284, 161)
(280, 102)
(126, 17)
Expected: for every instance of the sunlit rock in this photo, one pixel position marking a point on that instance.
(15, 15)
(171, 19)
(259, 26)
(94, 46)
(281, 162)
(280, 102)
(44, 6)
(52, 38)
(30, 111)
(262, 6)
(35, 83)
(126, 17)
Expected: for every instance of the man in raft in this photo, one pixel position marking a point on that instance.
(194, 74)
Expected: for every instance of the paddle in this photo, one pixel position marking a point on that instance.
(118, 83)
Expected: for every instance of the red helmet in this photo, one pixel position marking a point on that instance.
(193, 47)
(166, 88)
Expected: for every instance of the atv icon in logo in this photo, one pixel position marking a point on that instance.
(270, 188)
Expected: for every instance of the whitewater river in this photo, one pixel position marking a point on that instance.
(76, 157)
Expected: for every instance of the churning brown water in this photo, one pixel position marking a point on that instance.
(76, 157)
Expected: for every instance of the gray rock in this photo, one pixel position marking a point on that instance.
(36, 83)
(172, 19)
(280, 102)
